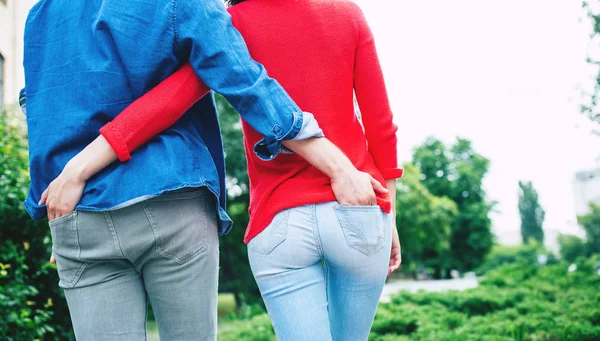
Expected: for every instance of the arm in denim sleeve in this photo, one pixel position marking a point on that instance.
(219, 56)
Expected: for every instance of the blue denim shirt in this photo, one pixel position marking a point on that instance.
(85, 61)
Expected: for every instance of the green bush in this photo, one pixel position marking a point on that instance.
(514, 302)
(591, 224)
(572, 247)
(31, 304)
(257, 328)
(524, 254)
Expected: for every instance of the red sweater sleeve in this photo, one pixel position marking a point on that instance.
(373, 102)
(154, 112)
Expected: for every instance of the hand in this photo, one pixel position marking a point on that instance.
(355, 188)
(63, 194)
(395, 255)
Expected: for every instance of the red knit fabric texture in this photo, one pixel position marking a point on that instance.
(322, 52)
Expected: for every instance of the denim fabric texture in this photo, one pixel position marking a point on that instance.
(85, 61)
(165, 249)
(321, 270)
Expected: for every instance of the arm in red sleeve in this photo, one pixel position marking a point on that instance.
(154, 112)
(374, 104)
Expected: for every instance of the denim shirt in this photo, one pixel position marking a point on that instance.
(85, 61)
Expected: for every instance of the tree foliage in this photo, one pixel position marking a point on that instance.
(457, 173)
(532, 213)
(590, 107)
(572, 247)
(235, 274)
(31, 304)
(423, 221)
(591, 224)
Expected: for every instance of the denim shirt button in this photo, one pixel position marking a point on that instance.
(278, 132)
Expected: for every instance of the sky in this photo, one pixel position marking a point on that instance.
(504, 74)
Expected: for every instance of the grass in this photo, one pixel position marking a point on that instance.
(226, 304)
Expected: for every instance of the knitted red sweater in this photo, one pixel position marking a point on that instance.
(321, 52)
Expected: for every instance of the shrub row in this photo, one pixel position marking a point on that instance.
(520, 301)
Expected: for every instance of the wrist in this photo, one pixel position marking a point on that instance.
(339, 171)
(76, 170)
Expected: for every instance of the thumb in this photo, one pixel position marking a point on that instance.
(378, 187)
(44, 197)
(52, 259)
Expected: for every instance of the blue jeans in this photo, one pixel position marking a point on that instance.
(321, 270)
(165, 248)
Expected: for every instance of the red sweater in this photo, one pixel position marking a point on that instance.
(321, 52)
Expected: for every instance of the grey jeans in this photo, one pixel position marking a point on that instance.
(165, 248)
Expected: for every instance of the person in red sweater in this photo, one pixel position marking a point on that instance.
(323, 53)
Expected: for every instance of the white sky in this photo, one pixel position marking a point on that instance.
(503, 74)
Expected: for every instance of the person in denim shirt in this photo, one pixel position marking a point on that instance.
(148, 227)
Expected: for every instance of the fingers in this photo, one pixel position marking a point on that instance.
(56, 210)
(394, 264)
(52, 259)
(54, 204)
(378, 187)
(50, 208)
(44, 197)
(369, 200)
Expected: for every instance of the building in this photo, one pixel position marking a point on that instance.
(13, 14)
(586, 186)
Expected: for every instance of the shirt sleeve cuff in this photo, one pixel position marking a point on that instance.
(116, 141)
(310, 128)
(304, 126)
(392, 173)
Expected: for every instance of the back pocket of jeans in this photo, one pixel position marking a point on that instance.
(267, 240)
(363, 227)
(180, 222)
(65, 246)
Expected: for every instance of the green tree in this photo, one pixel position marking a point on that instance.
(235, 274)
(590, 106)
(423, 221)
(31, 304)
(591, 224)
(457, 173)
(532, 213)
(572, 247)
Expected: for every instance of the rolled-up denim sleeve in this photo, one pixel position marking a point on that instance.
(310, 128)
(219, 56)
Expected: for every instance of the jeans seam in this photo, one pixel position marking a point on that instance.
(82, 264)
(146, 321)
(157, 239)
(113, 232)
(74, 222)
(316, 232)
(205, 208)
